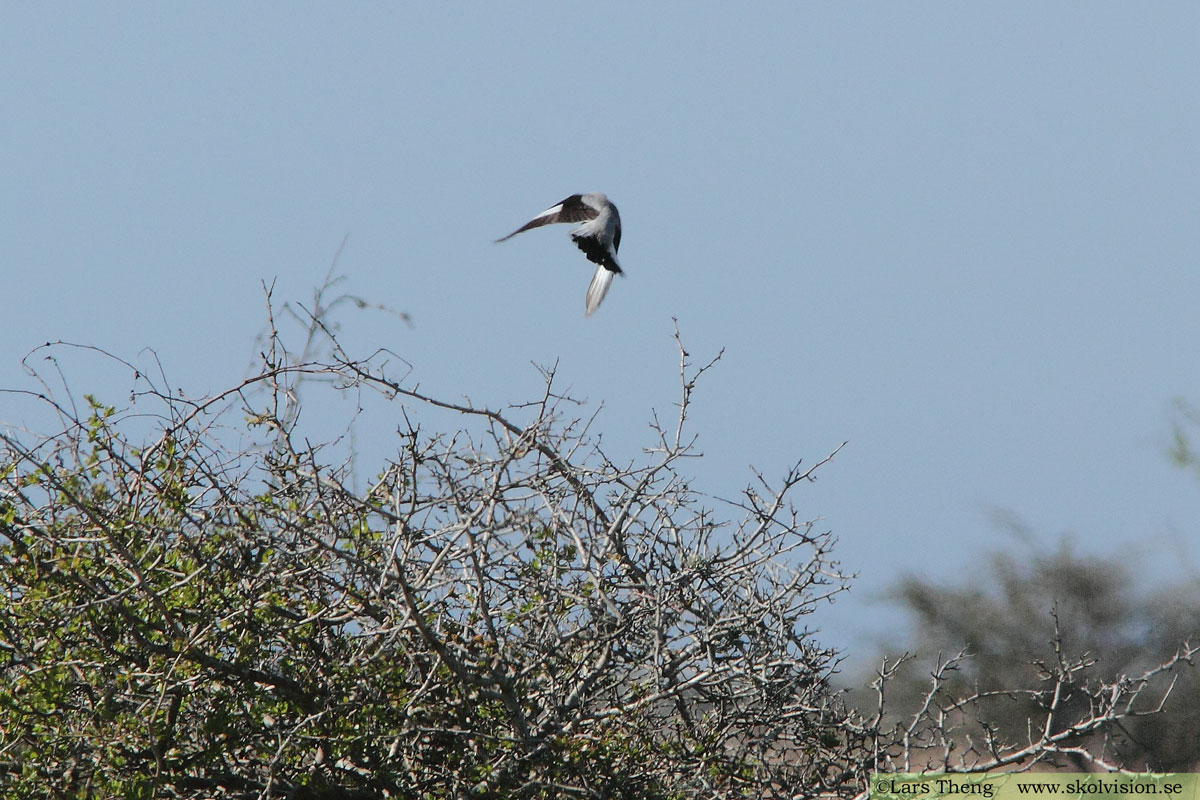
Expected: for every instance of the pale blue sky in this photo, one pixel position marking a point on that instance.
(963, 237)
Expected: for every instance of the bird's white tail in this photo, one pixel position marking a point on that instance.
(598, 288)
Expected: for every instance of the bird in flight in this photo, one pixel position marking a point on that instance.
(598, 237)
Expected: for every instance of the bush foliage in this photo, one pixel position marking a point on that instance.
(205, 607)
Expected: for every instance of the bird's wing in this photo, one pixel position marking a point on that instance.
(572, 209)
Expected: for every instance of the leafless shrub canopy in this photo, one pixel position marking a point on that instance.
(212, 610)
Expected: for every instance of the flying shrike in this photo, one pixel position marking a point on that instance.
(598, 237)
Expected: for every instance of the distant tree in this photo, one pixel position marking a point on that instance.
(1184, 424)
(1018, 615)
(196, 602)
